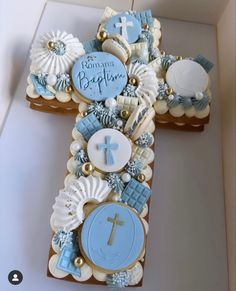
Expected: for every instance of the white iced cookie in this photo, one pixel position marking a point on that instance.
(135, 274)
(161, 107)
(186, 78)
(68, 211)
(86, 273)
(109, 150)
(52, 266)
(145, 79)
(117, 46)
(55, 52)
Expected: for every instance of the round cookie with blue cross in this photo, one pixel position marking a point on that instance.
(98, 76)
(126, 25)
(112, 238)
(109, 150)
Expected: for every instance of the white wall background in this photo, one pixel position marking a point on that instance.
(227, 62)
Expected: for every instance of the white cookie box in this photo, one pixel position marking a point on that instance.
(189, 242)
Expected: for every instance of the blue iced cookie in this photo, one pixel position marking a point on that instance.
(126, 25)
(112, 238)
(98, 76)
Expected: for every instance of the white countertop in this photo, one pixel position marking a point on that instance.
(186, 246)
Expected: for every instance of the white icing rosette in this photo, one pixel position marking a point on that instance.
(147, 83)
(55, 53)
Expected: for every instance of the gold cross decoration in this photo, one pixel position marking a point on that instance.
(115, 221)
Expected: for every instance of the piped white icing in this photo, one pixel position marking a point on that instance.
(45, 61)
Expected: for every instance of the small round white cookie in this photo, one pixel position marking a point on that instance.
(109, 150)
(190, 112)
(52, 266)
(187, 77)
(86, 273)
(135, 274)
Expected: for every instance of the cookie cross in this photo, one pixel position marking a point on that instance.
(115, 221)
(123, 25)
(108, 147)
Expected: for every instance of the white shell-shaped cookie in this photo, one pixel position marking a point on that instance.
(86, 273)
(52, 266)
(99, 276)
(68, 208)
(135, 274)
(51, 61)
(31, 92)
(147, 82)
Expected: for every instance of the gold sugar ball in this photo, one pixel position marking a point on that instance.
(145, 26)
(133, 81)
(125, 114)
(179, 58)
(169, 91)
(78, 262)
(87, 168)
(69, 89)
(83, 113)
(51, 44)
(141, 178)
(163, 53)
(102, 35)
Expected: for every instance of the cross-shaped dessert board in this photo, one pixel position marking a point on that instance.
(196, 139)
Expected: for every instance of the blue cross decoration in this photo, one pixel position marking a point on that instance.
(66, 261)
(124, 24)
(135, 195)
(108, 147)
(40, 89)
(88, 125)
